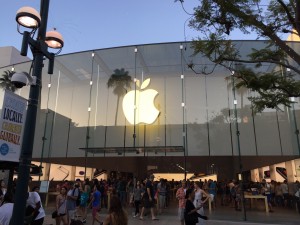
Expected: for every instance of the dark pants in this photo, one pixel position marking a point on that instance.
(137, 206)
(297, 199)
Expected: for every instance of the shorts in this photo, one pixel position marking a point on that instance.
(148, 204)
(71, 214)
(212, 197)
(181, 214)
(95, 210)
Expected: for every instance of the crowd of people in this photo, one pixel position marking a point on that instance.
(77, 198)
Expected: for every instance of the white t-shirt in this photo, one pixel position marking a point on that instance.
(32, 200)
(5, 213)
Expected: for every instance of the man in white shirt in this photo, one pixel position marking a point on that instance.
(38, 213)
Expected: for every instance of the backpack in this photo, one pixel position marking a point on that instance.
(78, 196)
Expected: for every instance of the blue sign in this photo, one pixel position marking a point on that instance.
(4, 149)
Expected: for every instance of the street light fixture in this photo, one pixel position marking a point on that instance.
(32, 20)
(28, 17)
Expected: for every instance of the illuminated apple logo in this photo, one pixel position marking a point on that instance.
(145, 110)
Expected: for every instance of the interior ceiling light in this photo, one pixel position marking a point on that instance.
(28, 17)
(54, 39)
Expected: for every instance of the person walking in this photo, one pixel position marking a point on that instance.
(180, 196)
(61, 203)
(148, 199)
(162, 193)
(191, 214)
(96, 203)
(198, 202)
(137, 196)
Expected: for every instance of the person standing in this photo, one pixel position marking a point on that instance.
(6, 209)
(148, 199)
(3, 190)
(71, 200)
(61, 203)
(285, 192)
(180, 196)
(266, 190)
(85, 195)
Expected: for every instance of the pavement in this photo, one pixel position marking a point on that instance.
(222, 215)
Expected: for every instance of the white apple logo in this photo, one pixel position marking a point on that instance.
(144, 107)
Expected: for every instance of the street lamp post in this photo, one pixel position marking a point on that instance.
(29, 18)
(238, 146)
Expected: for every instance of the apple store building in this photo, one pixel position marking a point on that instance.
(150, 109)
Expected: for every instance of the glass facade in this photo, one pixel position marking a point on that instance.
(81, 116)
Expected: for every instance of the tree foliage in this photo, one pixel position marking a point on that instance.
(269, 20)
(120, 81)
(5, 81)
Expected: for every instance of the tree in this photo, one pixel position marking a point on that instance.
(120, 81)
(5, 81)
(269, 20)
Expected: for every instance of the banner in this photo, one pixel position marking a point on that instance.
(12, 122)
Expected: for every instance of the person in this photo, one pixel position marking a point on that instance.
(266, 190)
(148, 199)
(285, 192)
(162, 192)
(190, 209)
(6, 209)
(198, 202)
(29, 182)
(137, 195)
(3, 190)
(96, 203)
(71, 200)
(212, 190)
(34, 205)
(84, 199)
(180, 196)
(116, 214)
(61, 203)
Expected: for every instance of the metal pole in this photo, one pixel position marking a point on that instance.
(239, 149)
(29, 129)
(296, 127)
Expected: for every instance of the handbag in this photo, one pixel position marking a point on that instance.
(54, 214)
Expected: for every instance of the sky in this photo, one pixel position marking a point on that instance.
(95, 24)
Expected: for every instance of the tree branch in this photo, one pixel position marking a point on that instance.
(289, 15)
(264, 61)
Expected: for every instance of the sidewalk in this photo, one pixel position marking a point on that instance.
(223, 215)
